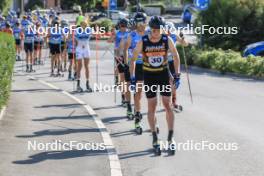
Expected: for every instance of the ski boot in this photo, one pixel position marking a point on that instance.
(75, 76)
(27, 68)
(130, 114)
(138, 128)
(31, 69)
(79, 89)
(88, 88)
(123, 101)
(52, 74)
(156, 147)
(69, 76)
(171, 147)
(178, 108)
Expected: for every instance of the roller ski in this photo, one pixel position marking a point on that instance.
(138, 118)
(30, 69)
(88, 88)
(171, 147)
(177, 108)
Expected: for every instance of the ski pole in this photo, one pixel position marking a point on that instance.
(187, 74)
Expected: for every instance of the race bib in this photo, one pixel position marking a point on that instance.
(155, 61)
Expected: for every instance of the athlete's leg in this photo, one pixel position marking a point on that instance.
(152, 104)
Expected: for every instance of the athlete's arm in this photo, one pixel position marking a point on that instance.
(136, 52)
(175, 55)
(127, 45)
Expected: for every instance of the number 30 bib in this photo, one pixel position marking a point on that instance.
(155, 61)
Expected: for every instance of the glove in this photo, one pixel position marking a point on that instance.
(176, 80)
(182, 35)
(126, 67)
(133, 83)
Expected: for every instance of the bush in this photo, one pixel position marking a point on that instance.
(7, 60)
(161, 6)
(106, 23)
(4, 5)
(246, 15)
(225, 61)
(34, 4)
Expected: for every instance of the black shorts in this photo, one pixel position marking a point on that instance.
(127, 74)
(157, 82)
(18, 42)
(63, 46)
(28, 47)
(38, 45)
(171, 67)
(71, 56)
(120, 67)
(55, 48)
(139, 72)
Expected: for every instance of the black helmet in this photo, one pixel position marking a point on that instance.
(140, 17)
(123, 22)
(156, 22)
(131, 23)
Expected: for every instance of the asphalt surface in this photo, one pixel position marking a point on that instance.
(226, 110)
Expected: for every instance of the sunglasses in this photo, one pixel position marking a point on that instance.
(122, 25)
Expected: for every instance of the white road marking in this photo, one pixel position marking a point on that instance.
(114, 162)
(2, 112)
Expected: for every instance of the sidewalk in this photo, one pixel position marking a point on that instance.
(36, 113)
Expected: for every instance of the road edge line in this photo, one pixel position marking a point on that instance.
(113, 158)
(2, 112)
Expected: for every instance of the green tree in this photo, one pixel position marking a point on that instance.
(4, 5)
(246, 15)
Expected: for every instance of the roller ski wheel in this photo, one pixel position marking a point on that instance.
(178, 108)
(156, 148)
(171, 148)
(130, 115)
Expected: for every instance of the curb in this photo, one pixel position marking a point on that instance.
(2, 112)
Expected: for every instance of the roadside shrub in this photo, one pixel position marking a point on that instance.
(106, 23)
(161, 6)
(225, 61)
(7, 60)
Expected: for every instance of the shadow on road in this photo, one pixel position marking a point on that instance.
(78, 117)
(112, 120)
(59, 155)
(136, 154)
(35, 90)
(72, 105)
(55, 132)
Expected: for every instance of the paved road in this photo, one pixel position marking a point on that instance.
(225, 110)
